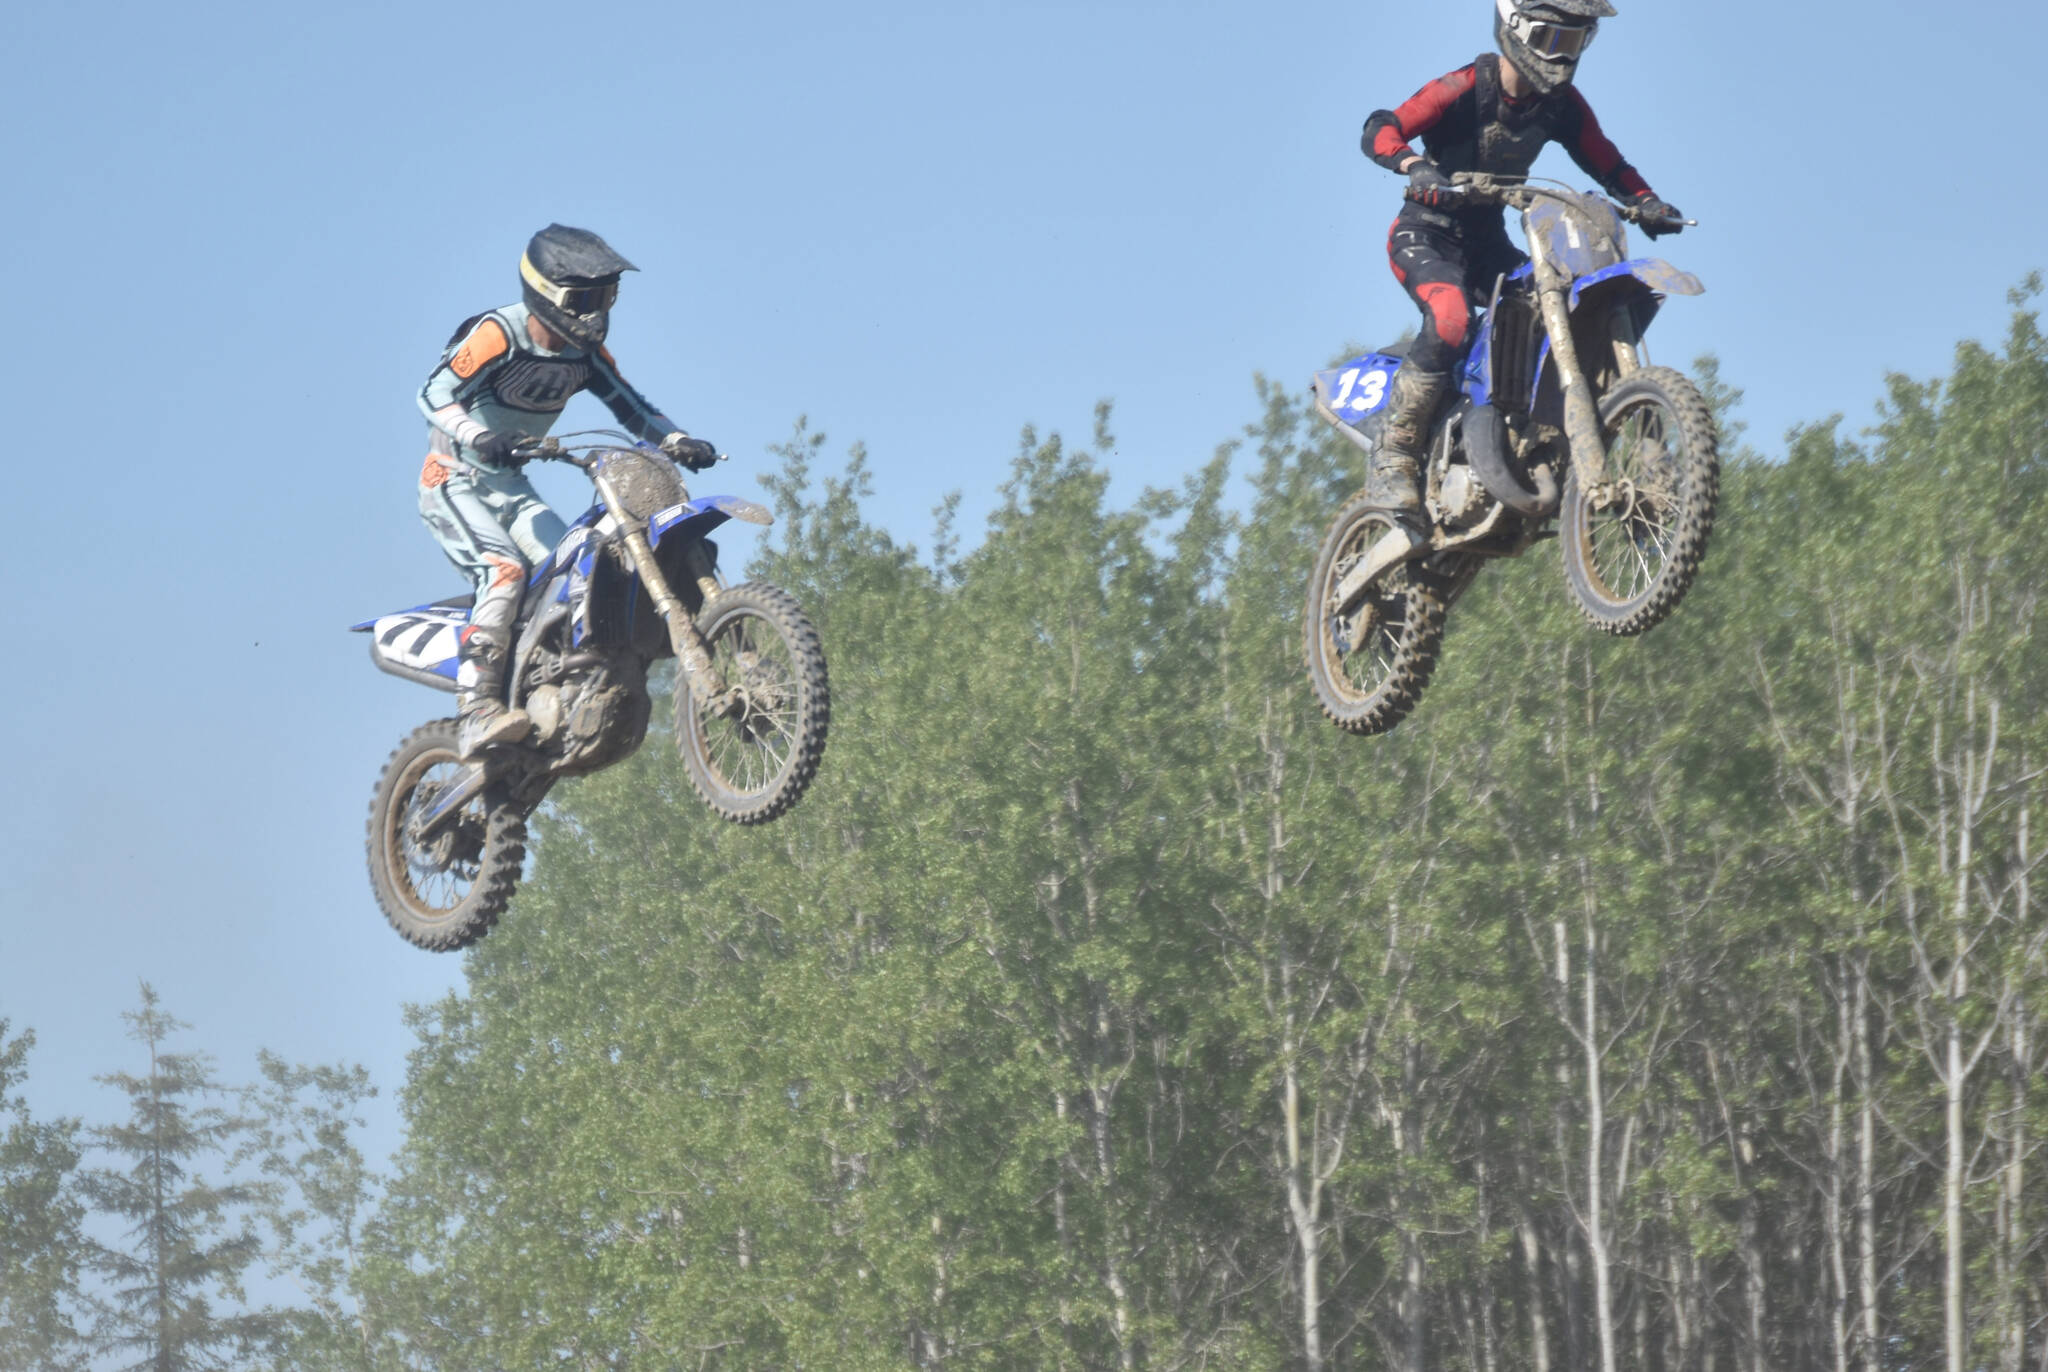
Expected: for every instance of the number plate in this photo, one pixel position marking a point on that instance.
(1359, 387)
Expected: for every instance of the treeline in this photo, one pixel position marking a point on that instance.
(1674, 1004)
(143, 1260)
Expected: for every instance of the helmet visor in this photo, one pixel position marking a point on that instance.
(1552, 40)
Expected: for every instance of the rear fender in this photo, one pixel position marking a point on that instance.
(422, 645)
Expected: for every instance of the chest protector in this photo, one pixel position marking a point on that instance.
(1497, 136)
(530, 381)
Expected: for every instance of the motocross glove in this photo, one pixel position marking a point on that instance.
(495, 447)
(693, 453)
(1430, 188)
(1658, 218)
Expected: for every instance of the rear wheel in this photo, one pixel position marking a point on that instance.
(445, 891)
(752, 754)
(1631, 561)
(1369, 665)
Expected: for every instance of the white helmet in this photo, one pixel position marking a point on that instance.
(1544, 38)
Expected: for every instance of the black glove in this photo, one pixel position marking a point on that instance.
(693, 453)
(496, 447)
(1658, 218)
(1430, 188)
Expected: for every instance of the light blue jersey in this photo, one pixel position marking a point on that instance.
(494, 377)
(488, 519)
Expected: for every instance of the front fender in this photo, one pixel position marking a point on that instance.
(1638, 285)
(699, 517)
(1654, 272)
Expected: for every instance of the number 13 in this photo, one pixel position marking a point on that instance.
(1369, 395)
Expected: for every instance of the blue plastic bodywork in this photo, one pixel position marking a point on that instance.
(577, 552)
(1358, 388)
(1477, 372)
(1660, 276)
(1575, 252)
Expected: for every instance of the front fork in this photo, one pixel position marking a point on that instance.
(1581, 417)
(707, 684)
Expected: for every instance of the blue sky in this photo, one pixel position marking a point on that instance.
(237, 235)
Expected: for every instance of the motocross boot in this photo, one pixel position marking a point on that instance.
(1396, 481)
(483, 719)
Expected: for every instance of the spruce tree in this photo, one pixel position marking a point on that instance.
(173, 1297)
(39, 1239)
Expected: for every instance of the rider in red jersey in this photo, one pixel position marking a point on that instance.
(1492, 116)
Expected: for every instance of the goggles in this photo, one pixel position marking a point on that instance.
(1549, 39)
(588, 299)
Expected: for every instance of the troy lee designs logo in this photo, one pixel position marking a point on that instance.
(535, 384)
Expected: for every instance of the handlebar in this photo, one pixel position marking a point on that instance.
(1484, 188)
(549, 450)
(588, 453)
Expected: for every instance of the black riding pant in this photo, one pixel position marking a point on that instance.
(1448, 269)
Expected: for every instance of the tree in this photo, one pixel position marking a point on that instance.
(321, 1198)
(190, 1240)
(39, 1227)
(1672, 1004)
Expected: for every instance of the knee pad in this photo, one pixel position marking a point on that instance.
(1448, 312)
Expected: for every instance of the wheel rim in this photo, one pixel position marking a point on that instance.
(747, 740)
(1627, 544)
(1360, 650)
(436, 877)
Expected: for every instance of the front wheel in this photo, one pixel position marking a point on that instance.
(445, 891)
(1368, 666)
(1630, 561)
(752, 752)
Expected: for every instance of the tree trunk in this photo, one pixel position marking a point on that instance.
(1304, 1205)
(1866, 1174)
(1537, 1299)
(1596, 1127)
(1836, 1236)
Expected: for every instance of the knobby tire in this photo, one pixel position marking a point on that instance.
(753, 769)
(1400, 624)
(482, 855)
(1660, 433)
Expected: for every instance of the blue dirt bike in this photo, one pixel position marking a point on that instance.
(1561, 421)
(634, 580)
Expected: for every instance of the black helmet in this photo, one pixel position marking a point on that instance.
(1543, 38)
(571, 278)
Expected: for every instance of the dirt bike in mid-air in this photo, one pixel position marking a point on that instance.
(1561, 429)
(633, 581)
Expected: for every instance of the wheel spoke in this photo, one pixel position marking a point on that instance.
(750, 752)
(1628, 544)
(436, 875)
(1367, 654)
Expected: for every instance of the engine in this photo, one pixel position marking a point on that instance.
(1461, 499)
(589, 709)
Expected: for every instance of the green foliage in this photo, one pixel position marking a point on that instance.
(317, 1203)
(1102, 1007)
(190, 1240)
(39, 1227)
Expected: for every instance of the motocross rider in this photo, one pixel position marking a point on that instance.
(502, 381)
(1492, 116)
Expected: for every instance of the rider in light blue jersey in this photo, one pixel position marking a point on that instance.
(502, 381)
